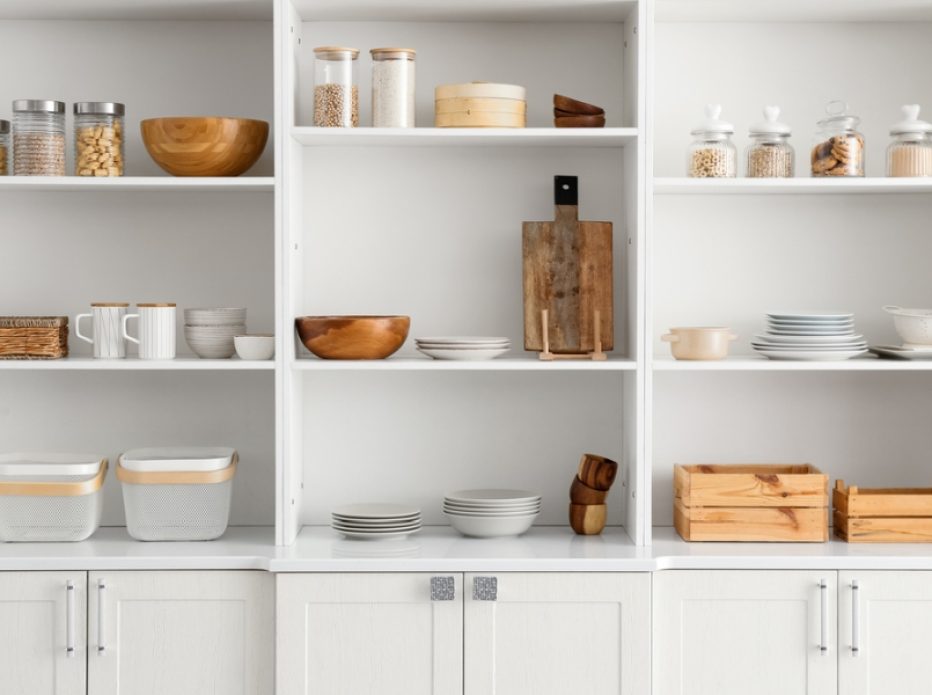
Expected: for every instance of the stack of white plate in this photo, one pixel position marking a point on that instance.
(463, 347)
(810, 336)
(491, 513)
(380, 522)
(210, 332)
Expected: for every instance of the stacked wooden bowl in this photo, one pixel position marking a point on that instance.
(588, 493)
(480, 105)
(572, 113)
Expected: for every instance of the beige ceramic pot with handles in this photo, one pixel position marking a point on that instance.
(699, 343)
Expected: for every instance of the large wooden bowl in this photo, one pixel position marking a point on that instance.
(353, 337)
(204, 146)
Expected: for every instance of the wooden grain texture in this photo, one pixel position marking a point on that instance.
(580, 493)
(480, 119)
(750, 524)
(882, 515)
(574, 106)
(579, 121)
(588, 519)
(568, 271)
(204, 146)
(353, 337)
(480, 105)
(755, 485)
(883, 530)
(598, 472)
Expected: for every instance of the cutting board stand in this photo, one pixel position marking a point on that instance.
(596, 354)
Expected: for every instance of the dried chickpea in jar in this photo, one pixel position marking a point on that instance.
(98, 138)
(770, 154)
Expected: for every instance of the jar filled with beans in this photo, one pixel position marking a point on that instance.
(712, 154)
(770, 154)
(38, 137)
(336, 95)
(910, 151)
(98, 138)
(4, 148)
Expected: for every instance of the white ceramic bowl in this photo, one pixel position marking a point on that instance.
(914, 326)
(699, 343)
(491, 527)
(254, 347)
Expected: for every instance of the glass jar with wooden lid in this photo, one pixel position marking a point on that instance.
(393, 98)
(336, 95)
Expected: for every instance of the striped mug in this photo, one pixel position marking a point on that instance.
(108, 325)
(156, 331)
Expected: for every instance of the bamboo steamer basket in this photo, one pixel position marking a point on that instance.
(480, 105)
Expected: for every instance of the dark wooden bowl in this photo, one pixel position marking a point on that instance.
(580, 493)
(597, 472)
(353, 337)
(204, 146)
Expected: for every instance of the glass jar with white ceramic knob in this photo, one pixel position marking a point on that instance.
(770, 154)
(910, 151)
(336, 95)
(712, 154)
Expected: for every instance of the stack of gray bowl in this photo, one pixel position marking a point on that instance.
(210, 332)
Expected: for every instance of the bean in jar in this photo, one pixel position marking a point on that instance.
(712, 154)
(98, 138)
(38, 137)
(336, 96)
(839, 148)
(910, 151)
(770, 155)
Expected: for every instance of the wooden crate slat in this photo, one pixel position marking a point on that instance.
(748, 524)
(751, 486)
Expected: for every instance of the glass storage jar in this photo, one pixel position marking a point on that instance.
(910, 151)
(393, 87)
(98, 138)
(712, 154)
(770, 154)
(839, 147)
(336, 96)
(38, 137)
(4, 148)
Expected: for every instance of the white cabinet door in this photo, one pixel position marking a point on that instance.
(888, 618)
(40, 618)
(553, 634)
(740, 632)
(181, 633)
(369, 634)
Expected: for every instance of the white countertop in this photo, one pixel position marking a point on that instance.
(441, 549)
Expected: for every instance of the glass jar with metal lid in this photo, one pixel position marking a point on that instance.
(4, 148)
(712, 154)
(839, 147)
(393, 87)
(910, 151)
(98, 138)
(336, 96)
(38, 137)
(769, 153)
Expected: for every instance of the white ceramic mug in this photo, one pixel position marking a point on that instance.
(156, 331)
(108, 329)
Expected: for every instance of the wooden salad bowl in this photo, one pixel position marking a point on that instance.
(204, 145)
(353, 337)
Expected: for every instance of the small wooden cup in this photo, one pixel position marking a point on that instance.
(588, 519)
(580, 493)
(597, 472)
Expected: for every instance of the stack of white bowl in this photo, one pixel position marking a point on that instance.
(491, 513)
(210, 332)
(376, 522)
(460, 347)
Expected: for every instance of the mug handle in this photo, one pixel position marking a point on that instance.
(670, 338)
(126, 335)
(77, 327)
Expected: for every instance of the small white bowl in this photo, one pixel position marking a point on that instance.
(255, 347)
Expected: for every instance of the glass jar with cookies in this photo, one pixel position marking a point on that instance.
(839, 147)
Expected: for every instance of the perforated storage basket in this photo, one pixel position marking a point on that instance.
(50, 497)
(177, 494)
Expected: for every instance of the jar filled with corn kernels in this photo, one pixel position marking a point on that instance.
(712, 154)
(98, 138)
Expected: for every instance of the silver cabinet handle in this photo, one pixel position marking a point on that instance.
(442, 589)
(69, 618)
(485, 589)
(101, 585)
(823, 594)
(855, 618)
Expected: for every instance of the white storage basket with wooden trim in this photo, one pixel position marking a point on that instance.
(50, 497)
(177, 494)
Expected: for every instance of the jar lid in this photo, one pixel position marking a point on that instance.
(392, 53)
(910, 122)
(104, 108)
(4, 127)
(155, 306)
(770, 125)
(838, 116)
(336, 53)
(712, 122)
(39, 105)
(110, 304)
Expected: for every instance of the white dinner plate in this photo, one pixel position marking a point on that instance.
(395, 529)
(847, 332)
(376, 536)
(492, 496)
(375, 523)
(899, 353)
(810, 316)
(811, 324)
(463, 340)
(812, 355)
(464, 355)
(485, 507)
(813, 339)
(376, 511)
(423, 346)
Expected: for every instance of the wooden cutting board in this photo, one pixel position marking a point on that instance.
(568, 271)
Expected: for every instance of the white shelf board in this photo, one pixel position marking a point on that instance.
(793, 10)
(794, 186)
(87, 184)
(131, 364)
(464, 137)
(137, 9)
(465, 10)
(514, 364)
(762, 364)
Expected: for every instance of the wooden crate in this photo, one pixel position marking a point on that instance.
(882, 515)
(751, 502)
(33, 337)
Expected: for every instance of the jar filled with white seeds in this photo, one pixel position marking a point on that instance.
(770, 154)
(38, 137)
(712, 154)
(393, 87)
(98, 138)
(4, 148)
(336, 96)
(910, 151)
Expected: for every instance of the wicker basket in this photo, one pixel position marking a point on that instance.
(33, 337)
